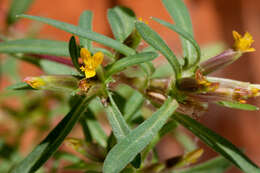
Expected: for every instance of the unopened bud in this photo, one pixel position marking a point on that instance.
(53, 82)
(219, 61)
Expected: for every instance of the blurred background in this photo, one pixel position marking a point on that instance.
(213, 22)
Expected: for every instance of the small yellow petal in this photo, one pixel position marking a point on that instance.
(85, 54)
(236, 35)
(90, 73)
(98, 58)
(243, 44)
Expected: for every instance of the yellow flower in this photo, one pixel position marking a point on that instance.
(243, 44)
(90, 62)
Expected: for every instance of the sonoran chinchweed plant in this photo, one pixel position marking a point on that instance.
(140, 103)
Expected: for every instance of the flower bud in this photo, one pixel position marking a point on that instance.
(219, 61)
(53, 82)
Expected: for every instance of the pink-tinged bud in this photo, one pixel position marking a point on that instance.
(219, 61)
(53, 82)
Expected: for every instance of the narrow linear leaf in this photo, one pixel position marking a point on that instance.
(96, 131)
(168, 127)
(154, 40)
(82, 165)
(74, 53)
(121, 20)
(52, 68)
(35, 46)
(17, 7)
(9, 68)
(185, 35)
(218, 143)
(148, 68)
(129, 61)
(163, 71)
(216, 165)
(125, 151)
(181, 17)
(51, 143)
(186, 141)
(133, 105)
(237, 105)
(20, 86)
(85, 22)
(116, 120)
(85, 34)
(86, 131)
(119, 125)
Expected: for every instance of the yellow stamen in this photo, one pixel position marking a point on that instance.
(204, 83)
(243, 44)
(90, 62)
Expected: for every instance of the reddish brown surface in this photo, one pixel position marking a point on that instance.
(213, 21)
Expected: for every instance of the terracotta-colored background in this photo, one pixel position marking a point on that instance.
(213, 21)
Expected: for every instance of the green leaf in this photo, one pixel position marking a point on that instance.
(20, 86)
(185, 35)
(9, 68)
(51, 143)
(129, 61)
(82, 165)
(121, 20)
(86, 130)
(186, 141)
(237, 105)
(168, 127)
(74, 53)
(133, 105)
(96, 131)
(148, 68)
(17, 7)
(126, 150)
(181, 17)
(52, 68)
(116, 120)
(218, 143)
(85, 34)
(85, 22)
(154, 40)
(119, 125)
(216, 165)
(35, 46)
(163, 71)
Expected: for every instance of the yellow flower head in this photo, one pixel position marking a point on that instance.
(90, 62)
(243, 44)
